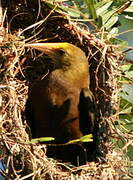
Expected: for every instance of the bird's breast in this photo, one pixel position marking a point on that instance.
(59, 91)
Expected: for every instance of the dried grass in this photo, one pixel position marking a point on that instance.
(23, 160)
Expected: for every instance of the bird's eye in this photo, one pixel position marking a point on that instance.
(61, 52)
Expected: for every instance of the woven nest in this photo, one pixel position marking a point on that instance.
(25, 23)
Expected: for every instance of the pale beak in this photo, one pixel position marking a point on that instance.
(47, 48)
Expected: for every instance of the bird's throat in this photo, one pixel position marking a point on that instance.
(75, 74)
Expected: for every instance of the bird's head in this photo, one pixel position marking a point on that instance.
(63, 54)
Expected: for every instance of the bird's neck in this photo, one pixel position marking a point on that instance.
(75, 74)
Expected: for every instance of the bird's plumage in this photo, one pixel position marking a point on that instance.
(61, 104)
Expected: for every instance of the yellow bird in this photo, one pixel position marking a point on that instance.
(61, 104)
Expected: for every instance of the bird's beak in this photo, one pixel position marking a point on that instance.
(47, 48)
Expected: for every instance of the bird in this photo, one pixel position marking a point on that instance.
(61, 105)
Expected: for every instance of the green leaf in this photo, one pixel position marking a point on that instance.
(87, 138)
(107, 16)
(111, 22)
(91, 8)
(127, 67)
(120, 42)
(128, 96)
(129, 17)
(103, 8)
(42, 139)
(129, 74)
(130, 8)
(130, 153)
(125, 80)
(125, 105)
(127, 110)
(126, 120)
(112, 33)
(121, 143)
(100, 4)
(114, 30)
(72, 141)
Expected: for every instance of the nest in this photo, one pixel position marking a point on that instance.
(26, 22)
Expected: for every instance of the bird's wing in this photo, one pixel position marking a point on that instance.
(87, 110)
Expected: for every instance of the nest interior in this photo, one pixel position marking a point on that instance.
(20, 70)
